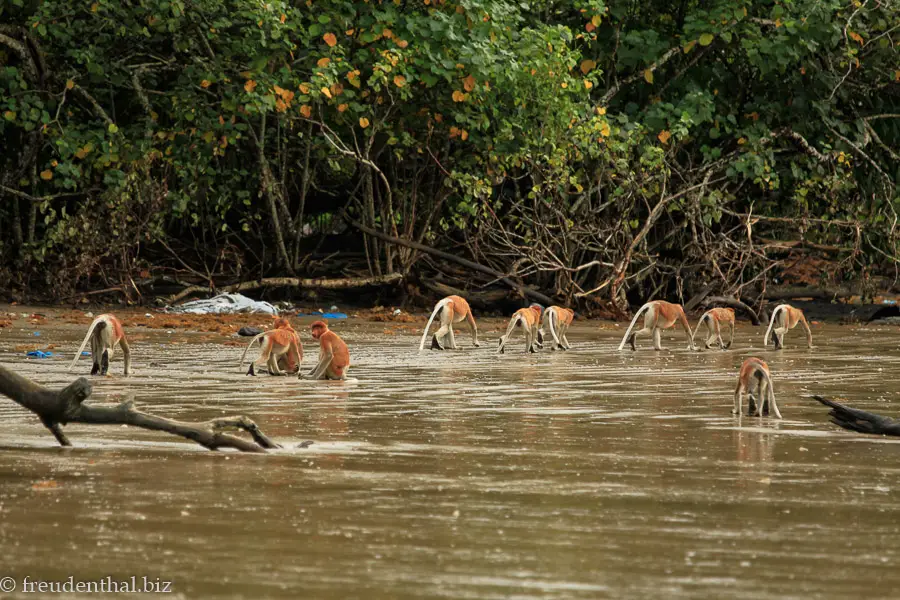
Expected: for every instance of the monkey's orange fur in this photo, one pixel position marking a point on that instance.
(280, 348)
(755, 371)
(452, 309)
(334, 356)
(784, 318)
(715, 318)
(660, 315)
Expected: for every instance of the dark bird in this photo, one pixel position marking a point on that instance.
(860, 420)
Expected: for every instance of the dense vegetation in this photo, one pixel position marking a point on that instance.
(584, 148)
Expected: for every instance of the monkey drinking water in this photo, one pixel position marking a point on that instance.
(105, 333)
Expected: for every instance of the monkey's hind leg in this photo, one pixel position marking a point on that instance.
(95, 353)
(657, 339)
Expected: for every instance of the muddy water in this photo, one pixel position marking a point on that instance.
(585, 474)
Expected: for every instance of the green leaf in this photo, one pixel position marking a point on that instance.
(706, 39)
(113, 128)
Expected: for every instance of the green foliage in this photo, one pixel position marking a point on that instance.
(252, 117)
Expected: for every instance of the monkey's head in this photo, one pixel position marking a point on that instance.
(318, 328)
(282, 323)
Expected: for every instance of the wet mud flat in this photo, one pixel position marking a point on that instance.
(582, 474)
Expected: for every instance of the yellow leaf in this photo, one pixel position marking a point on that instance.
(742, 141)
(469, 83)
(399, 81)
(689, 46)
(306, 110)
(221, 120)
(595, 20)
(590, 27)
(464, 135)
(777, 23)
(587, 84)
(601, 110)
(9, 115)
(350, 31)
(896, 75)
(454, 131)
(664, 136)
(323, 62)
(458, 96)
(604, 130)
(47, 175)
(438, 117)
(70, 84)
(586, 65)
(564, 85)
(250, 86)
(304, 89)
(648, 75)
(280, 106)
(363, 122)
(205, 83)
(387, 33)
(94, 7)
(343, 107)
(330, 39)
(283, 17)
(856, 37)
(402, 43)
(326, 91)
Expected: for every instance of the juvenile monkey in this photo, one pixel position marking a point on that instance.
(334, 357)
(453, 309)
(280, 346)
(558, 320)
(784, 318)
(529, 319)
(714, 319)
(755, 371)
(105, 333)
(660, 315)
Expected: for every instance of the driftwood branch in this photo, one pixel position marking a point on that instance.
(524, 290)
(57, 408)
(862, 421)
(331, 284)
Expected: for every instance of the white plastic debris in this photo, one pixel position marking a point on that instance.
(224, 304)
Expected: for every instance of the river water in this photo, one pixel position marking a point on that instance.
(584, 474)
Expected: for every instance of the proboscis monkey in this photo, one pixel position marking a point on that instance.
(755, 374)
(334, 357)
(453, 309)
(714, 319)
(280, 347)
(105, 333)
(784, 318)
(660, 315)
(558, 320)
(529, 319)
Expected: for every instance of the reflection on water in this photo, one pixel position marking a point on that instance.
(585, 474)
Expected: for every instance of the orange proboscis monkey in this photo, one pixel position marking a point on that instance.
(280, 346)
(558, 320)
(105, 333)
(784, 318)
(755, 374)
(453, 309)
(660, 315)
(334, 357)
(714, 319)
(529, 319)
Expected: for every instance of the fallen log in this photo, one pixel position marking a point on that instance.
(331, 284)
(522, 289)
(56, 409)
(478, 299)
(858, 420)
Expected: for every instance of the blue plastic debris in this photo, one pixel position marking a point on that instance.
(37, 334)
(39, 354)
(328, 315)
(85, 353)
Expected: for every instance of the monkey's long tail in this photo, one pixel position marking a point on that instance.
(633, 321)
(247, 349)
(509, 329)
(551, 320)
(855, 419)
(437, 307)
(98, 320)
(697, 328)
(775, 312)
